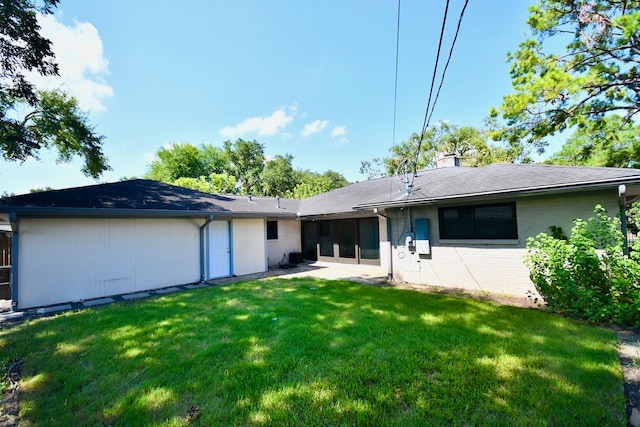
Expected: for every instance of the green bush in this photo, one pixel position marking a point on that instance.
(587, 274)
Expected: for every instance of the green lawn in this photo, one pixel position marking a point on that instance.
(311, 352)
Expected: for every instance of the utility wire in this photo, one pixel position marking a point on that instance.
(455, 38)
(395, 89)
(431, 107)
(433, 78)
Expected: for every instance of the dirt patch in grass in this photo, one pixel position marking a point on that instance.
(10, 408)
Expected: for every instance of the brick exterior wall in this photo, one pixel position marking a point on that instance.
(494, 266)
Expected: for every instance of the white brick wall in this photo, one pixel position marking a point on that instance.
(488, 265)
(288, 241)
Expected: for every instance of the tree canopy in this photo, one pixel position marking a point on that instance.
(245, 160)
(471, 145)
(52, 119)
(238, 167)
(581, 84)
(614, 144)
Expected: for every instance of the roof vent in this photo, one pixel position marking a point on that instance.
(447, 161)
(278, 201)
(250, 197)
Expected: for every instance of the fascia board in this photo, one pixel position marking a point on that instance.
(498, 194)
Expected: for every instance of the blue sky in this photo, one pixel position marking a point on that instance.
(314, 79)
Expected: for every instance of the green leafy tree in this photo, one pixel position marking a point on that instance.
(214, 183)
(278, 176)
(52, 119)
(614, 144)
(586, 275)
(312, 183)
(185, 161)
(469, 144)
(579, 85)
(40, 189)
(245, 161)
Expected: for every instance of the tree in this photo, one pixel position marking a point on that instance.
(53, 119)
(594, 75)
(311, 183)
(185, 161)
(615, 144)
(40, 189)
(214, 183)
(245, 161)
(586, 274)
(278, 176)
(469, 144)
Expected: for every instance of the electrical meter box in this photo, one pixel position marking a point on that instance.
(423, 246)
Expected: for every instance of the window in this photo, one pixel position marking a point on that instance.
(272, 230)
(479, 222)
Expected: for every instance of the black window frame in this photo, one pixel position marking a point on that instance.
(272, 230)
(476, 230)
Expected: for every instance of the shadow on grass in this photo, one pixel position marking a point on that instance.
(310, 352)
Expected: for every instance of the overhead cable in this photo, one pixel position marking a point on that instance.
(431, 107)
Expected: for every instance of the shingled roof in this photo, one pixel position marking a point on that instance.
(458, 183)
(146, 197)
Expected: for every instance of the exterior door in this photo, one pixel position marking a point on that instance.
(346, 241)
(338, 241)
(219, 250)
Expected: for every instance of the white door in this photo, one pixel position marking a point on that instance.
(219, 250)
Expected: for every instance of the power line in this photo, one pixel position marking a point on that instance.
(455, 38)
(395, 89)
(431, 107)
(435, 69)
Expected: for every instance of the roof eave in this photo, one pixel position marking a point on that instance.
(128, 212)
(498, 194)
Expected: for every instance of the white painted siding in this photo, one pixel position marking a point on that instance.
(488, 265)
(77, 259)
(288, 241)
(249, 246)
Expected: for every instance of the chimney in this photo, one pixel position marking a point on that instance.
(447, 161)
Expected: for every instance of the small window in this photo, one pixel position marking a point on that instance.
(272, 230)
(479, 222)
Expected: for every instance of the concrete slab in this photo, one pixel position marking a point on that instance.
(136, 295)
(168, 290)
(54, 309)
(100, 301)
(194, 286)
(14, 315)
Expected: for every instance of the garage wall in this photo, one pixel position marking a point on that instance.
(249, 246)
(64, 260)
(288, 241)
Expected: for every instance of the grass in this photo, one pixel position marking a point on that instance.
(311, 352)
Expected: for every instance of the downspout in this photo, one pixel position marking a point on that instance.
(203, 242)
(390, 260)
(15, 238)
(622, 201)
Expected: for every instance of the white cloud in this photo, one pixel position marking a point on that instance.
(339, 131)
(340, 142)
(314, 127)
(81, 62)
(265, 126)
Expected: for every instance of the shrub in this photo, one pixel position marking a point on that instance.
(587, 274)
